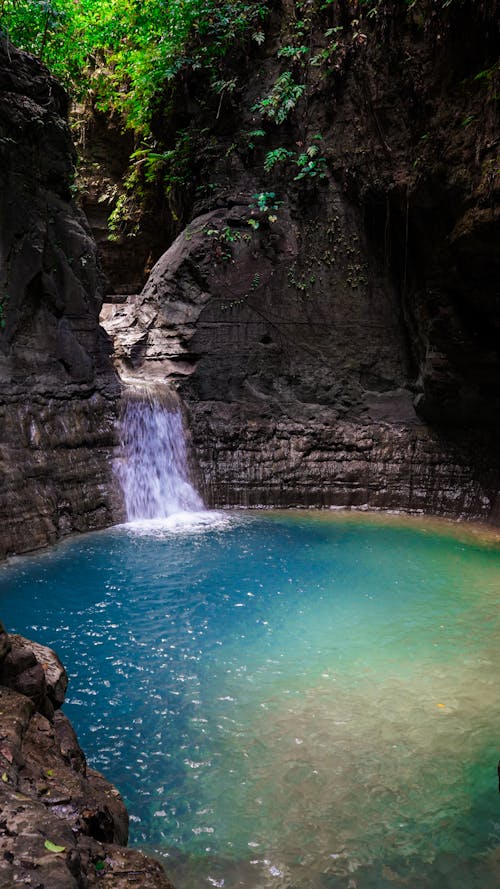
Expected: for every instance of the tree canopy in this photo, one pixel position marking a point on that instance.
(119, 52)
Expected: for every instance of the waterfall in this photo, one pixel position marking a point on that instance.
(154, 468)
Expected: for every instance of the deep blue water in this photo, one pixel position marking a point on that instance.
(285, 700)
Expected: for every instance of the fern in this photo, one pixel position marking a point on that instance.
(282, 99)
(277, 156)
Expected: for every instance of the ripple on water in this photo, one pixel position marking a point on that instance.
(285, 700)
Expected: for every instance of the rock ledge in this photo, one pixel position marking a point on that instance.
(49, 799)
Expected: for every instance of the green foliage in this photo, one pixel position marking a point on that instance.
(53, 847)
(36, 25)
(171, 167)
(324, 56)
(123, 52)
(226, 235)
(308, 163)
(488, 77)
(120, 56)
(163, 169)
(276, 156)
(292, 52)
(301, 284)
(223, 239)
(488, 73)
(263, 202)
(412, 3)
(121, 216)
(282, 99)
(259, 37)
(255, 134)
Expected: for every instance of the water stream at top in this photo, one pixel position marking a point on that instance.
(154, 469)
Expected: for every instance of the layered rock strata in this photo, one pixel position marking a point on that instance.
(62, 825)
(58, 392)
(290, 353)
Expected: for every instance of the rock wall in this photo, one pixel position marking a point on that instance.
(335, 336)
(58, 391)
(103, 163)
(62, 825)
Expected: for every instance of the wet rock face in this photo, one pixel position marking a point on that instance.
(336, 340)
(290, 351)
(103, 159)
(429, 186)
(57, 389)
(62, 824)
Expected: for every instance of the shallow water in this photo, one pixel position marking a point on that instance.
(285, 700)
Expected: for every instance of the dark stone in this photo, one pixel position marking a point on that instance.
(295, 400)
(35, 671)
(107, 819)
(346, 352)
(31, 682)
(55, 675)
(46, 793)
(4, 643)
(17, 711)
(58, 392)
(70, 749)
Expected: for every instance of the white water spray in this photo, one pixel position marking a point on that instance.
(154, 470)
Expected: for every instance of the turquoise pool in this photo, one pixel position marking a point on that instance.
(285, 699)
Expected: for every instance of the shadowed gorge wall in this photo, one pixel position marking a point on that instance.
(332, 329)
(336, 339)
(58, 391)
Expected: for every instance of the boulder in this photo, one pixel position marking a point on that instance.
(62, 825)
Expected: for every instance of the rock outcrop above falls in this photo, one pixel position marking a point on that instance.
(334, 334)
(62, 825)
(58, 392)
(290, 350)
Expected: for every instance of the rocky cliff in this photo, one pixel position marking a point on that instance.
(62, 825)
(329, 315)
(328, 312)
(58, 391)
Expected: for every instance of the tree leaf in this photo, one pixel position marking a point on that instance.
(52, 846)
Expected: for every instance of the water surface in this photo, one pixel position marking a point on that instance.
(285, 700)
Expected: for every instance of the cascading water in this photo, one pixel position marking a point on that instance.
(154, 468)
